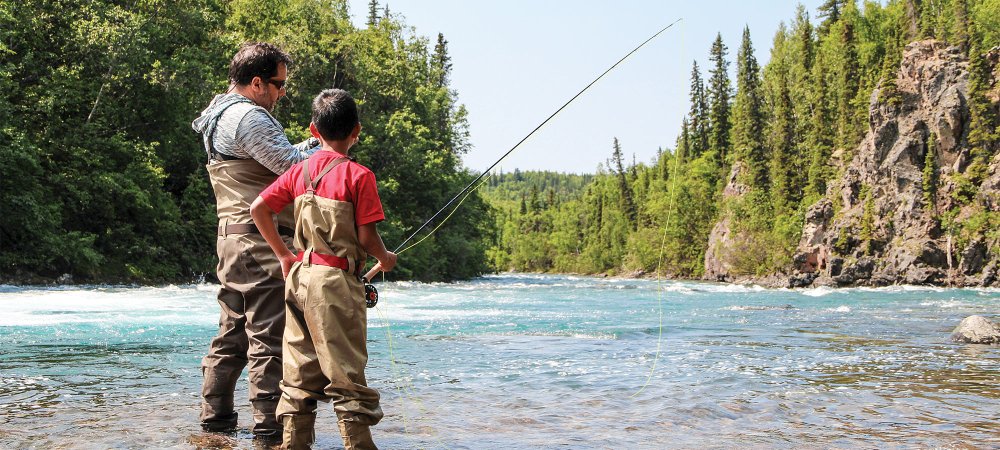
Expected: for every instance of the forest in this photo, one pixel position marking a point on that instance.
(103, 179)
(783, 133)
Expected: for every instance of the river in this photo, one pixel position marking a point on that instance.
(534, 361)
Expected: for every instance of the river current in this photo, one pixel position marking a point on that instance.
(533, 361)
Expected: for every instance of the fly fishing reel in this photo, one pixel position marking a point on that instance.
(371, 294)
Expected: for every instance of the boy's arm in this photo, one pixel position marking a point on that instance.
(261, 214)
(371, 241)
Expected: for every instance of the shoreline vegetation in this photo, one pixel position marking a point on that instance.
(864, 153)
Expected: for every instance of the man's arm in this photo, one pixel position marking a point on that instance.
(371, 241)
(262, 216)
(263, 138)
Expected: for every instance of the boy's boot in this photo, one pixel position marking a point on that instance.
(356, 436)
(299, 433)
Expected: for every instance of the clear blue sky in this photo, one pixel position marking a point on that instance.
(516, 61)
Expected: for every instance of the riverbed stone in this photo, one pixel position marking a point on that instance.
(976, 330)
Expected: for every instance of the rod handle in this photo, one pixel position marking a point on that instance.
(375, 270)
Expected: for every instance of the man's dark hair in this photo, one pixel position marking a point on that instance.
(335, 114)
(256, 59)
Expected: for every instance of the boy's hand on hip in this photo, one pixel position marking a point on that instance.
(286, 264)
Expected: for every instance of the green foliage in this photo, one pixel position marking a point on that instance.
(104, 177)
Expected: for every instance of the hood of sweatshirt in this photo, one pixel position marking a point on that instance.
(209, 118)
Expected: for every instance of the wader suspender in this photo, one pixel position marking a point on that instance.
(212, 152)
(311, 185)
(309, 256)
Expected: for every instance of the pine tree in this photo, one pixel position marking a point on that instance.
(829, 12)
(626, 193)
(911, 22)
(372, 13)
(698, 116)
(684, 141)
(960, 30)
(784, 169)
(928, 19)
(719, 94)
(983, 123)
(748, 116)
(441, 61)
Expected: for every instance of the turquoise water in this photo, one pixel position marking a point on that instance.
(532, 361)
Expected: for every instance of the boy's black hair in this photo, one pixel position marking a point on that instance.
(256, 59)
(335, 114)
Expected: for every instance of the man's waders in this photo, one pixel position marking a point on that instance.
(252, 302)
(325, 350)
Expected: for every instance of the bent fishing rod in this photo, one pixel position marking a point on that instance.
(372, 294)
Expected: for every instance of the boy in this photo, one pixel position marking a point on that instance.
(336, 209)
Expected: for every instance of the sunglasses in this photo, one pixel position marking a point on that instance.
(277, 83)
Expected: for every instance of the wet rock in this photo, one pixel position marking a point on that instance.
(801, 280)
(65, 279)
(976, 330)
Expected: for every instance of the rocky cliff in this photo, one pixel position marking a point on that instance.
(878, 224)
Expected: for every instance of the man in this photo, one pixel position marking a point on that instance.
(247, 150)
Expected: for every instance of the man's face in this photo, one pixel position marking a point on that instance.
(271, 90)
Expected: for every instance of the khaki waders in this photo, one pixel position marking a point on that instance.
(325, 350)
(252, 302)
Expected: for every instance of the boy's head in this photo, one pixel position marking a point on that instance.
(335, 114)
(257, 59)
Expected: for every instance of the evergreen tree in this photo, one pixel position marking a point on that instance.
(372, 13)
(829, 13)
(625, 191)
(698, 116)
(748, 116)
(719, 94)
(441, 61)
(960, 30)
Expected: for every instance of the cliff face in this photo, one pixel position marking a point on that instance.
(879, 223)
(875, 226)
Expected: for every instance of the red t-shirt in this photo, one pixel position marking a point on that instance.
(348, 182)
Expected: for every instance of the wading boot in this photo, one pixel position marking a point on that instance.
(356, 436)
(220, 424)
(298, 433)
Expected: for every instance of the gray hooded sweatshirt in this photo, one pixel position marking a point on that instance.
(244, 130)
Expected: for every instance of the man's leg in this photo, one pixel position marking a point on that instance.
(222, 367)
(265, 325)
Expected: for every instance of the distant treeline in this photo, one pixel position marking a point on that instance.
(102, 177)
(783, 134)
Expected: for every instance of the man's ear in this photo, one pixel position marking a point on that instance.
(314, 131)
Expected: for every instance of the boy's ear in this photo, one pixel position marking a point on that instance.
(314, 131)
(356, 132)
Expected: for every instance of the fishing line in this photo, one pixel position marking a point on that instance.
(663, 243)
(471, 184)
(481, 179)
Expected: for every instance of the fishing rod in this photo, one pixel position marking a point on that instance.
(371, 293)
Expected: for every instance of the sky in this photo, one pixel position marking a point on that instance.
(515, 62)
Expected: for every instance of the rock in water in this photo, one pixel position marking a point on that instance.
(976, 330)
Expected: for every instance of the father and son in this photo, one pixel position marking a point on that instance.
(298, 320)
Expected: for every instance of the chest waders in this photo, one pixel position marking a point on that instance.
(325, 350)
(251, 299)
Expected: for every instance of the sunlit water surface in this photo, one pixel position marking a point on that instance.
(531, 361)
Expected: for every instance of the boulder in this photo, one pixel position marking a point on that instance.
(976, 330)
